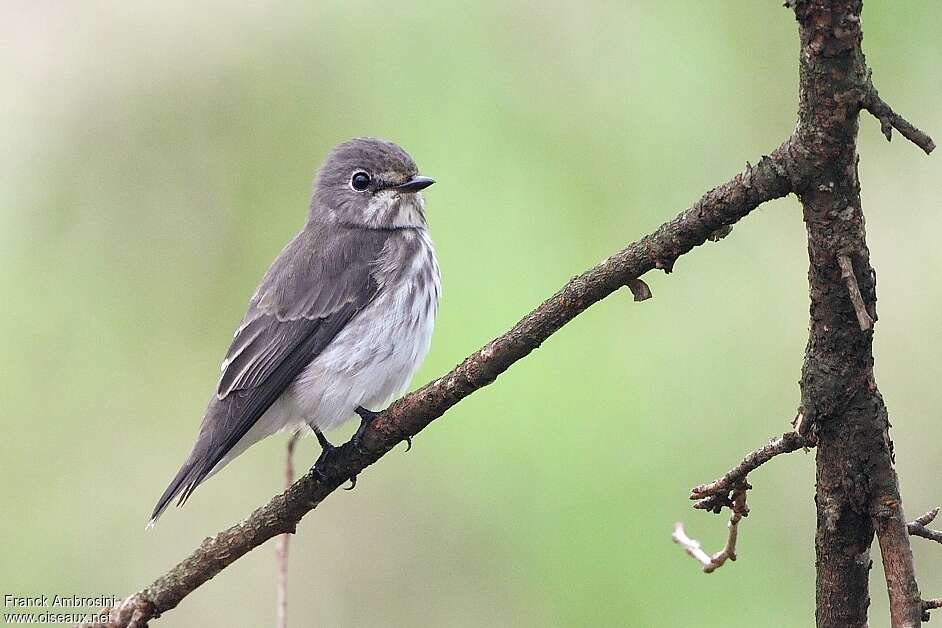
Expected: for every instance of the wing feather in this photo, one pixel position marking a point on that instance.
(318, 283)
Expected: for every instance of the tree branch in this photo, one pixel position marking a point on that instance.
(710, 563)
(890, 120)
(920, 526)
(857, 490)
(729, 491)
(718, 208)
(715, 495)
(928, 605)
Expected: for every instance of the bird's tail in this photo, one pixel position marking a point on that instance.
(183, 484)
(210, 454)
(194, 470)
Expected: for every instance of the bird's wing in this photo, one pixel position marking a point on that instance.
(319, 282)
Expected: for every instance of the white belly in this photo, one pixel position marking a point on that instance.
(370, 362)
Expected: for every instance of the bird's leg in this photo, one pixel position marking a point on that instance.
(326, 448)
(366, 417)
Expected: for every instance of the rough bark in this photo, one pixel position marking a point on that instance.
(857, 489)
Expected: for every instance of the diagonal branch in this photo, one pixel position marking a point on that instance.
(718, 208)
(890, 120)
(716, 494)
(853, 289)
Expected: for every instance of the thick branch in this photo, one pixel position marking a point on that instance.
(857, 492)
(720, 207)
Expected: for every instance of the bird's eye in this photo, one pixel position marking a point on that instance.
(360, 181)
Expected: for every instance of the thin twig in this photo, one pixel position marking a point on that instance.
(281, 549)
(928, 605)
(890, 120)
(919, 527)
(721, 487)
(926, 519)
(714, 562)
(847, 274)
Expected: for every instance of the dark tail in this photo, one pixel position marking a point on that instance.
(183, 484)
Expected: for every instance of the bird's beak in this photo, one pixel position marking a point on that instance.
(415, 184)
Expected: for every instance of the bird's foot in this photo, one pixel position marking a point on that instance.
(366, 417)
(326, 449)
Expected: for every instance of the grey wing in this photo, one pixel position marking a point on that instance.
(319, 282)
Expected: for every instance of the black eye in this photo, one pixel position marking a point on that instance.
(360, 181)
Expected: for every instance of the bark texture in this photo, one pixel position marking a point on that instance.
(857, 491)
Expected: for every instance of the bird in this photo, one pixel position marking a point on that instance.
(340, 322)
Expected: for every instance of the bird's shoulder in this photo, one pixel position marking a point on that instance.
(321, 270)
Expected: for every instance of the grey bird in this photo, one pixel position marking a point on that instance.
(340, 322)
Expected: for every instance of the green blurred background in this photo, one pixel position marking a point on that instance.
(157, 156)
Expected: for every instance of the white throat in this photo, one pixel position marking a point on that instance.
(392, 209)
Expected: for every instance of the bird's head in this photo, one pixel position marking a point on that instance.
(370, 183)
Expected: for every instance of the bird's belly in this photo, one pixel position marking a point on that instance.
(370, 362)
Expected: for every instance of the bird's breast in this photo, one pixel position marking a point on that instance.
(373, 359)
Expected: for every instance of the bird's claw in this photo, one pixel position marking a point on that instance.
(326, 449)
(408, 444)
(319, 465)
(366, 417)
(353, 484)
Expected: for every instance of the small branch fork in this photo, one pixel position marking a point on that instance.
(729, 491)
(738, 509)
(920, 527)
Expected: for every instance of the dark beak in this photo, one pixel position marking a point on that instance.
(415, 184)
